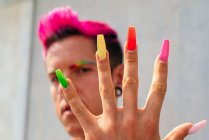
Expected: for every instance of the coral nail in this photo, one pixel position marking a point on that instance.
(164, 53)
(101, 46)
(131, 39)
(197, 127)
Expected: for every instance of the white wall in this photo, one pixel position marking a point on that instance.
(15, 39)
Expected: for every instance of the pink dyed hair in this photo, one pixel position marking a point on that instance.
(58, 18)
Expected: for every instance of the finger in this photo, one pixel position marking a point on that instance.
(159, 84)
(130, 78)
(69, 92)
(106, 86)
(196, 127)
(179, 133)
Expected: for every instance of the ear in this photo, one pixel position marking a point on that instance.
(117, 75)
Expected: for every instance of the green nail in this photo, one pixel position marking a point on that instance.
(61, 78)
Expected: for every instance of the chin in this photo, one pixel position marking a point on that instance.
(74, 130)
(72, 126)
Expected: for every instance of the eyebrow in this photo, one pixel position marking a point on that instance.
(76, 65)
(81, 63)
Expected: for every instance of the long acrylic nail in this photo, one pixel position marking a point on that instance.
(61, 78)
(164, 53)
(131, 39)
(197, 127)
(101, 46)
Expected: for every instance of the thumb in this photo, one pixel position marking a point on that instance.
(179, 133)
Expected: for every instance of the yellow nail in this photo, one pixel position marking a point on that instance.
(101, 46)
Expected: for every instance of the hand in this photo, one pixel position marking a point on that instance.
(129, 122)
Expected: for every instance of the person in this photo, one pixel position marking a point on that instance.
(87, 106)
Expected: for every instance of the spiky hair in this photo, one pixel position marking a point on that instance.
(65, 18)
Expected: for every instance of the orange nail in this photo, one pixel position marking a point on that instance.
(131, 39)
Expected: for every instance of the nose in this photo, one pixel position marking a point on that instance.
(74, 80)
(72, 76)
(59, 91)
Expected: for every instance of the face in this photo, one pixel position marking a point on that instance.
(69, 55)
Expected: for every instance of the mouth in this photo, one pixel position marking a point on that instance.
(66, 109)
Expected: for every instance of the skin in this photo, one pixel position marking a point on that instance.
(91, 95)
(62, 55)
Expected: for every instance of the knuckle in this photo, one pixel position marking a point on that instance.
(131, 57)
(103, 67)
(69, 96)
(106, 91)
(159, 88)
(162, 67)
(77, 108)
(70, 92)
(130, 81)
(105, 78)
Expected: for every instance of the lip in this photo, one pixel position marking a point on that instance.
(66, 109)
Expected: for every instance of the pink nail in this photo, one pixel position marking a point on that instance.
(164, 53)
(197, 127)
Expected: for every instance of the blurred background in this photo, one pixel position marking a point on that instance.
(26, 110)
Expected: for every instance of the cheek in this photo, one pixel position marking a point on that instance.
(92, 84)
(88, 87)
(92, 96)
(54, 95)
(56, 101)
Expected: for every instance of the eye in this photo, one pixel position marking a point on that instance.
(83, 70)
(54, 79)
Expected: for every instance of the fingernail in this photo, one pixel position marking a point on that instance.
(61, 78)
(197, 127)
(164, 53)
(131, 39)
(101, 46)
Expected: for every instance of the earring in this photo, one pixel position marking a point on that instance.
(118, 91)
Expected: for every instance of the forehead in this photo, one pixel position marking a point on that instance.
(72, 44)
(69, 51)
